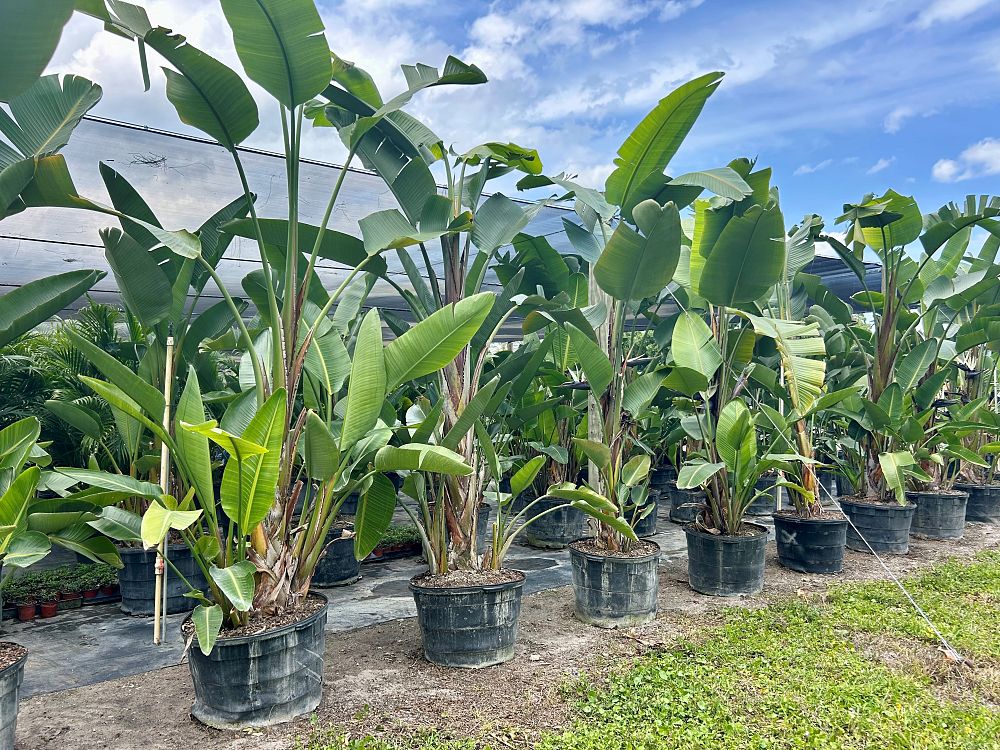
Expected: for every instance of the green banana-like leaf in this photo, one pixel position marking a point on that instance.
(114, 482)
(802, 349)
(282, 47)
(158, 520)
(594, 362)
(76, 416)
(895, 468)
(248, 484)
(137, 389)
(118, 523)
(435, 341)
(433, 458)
(634, 266)
(900, 222)
(84, 541)
(723, 181)
(599, 453)
(192, 447)
(322, 456)
(29, 33)
(143, 283)
(15, 500)
(375, 509)
(43, 117)
(639, 394)
(635, 470)
(35, 302)
(912, 367)
(472, 412)
(206, 94)
(695, 474)
(523, 477)
(694, 347)
(25, 548)
(655, 140)
(367, 387)
(236, 582)
(735, 436)
(747, 259)
(207, 621)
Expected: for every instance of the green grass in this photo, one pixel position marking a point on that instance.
(791, 676)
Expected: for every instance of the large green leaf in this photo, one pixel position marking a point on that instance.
(282, 46)
(25, 548)
(747, 259)
(735, 436)
(27, 306)
(43, 117)
(206, 94)
(248, 485)
(433, 458)
(335, 246)
(15, 500)
(498, 221)
(158, 520)
(900, 224)
(143, 283)
(322, 455)
(694, 347)
(895, 468)
(77, 416)
(802, 349)
(367, 386)
(592, 359)
(696, 473)
(375, 509)
(435, 341)
(192, 447)
(655, 140)
(912, 367)
(472, 412)
(137, 389)
(118, 523)
(115, 482)
(723, 181)
(236, 582)
(635, 266)
(523, 477)
(207, 621)
(29, 33)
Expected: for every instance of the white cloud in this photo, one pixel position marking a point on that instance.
(881, 164)
(978, 160)
(810, 168)
(675, 8)
(894, 120)
(948, 10)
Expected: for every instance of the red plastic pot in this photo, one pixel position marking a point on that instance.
(108, 590)
(48, 609)
(90, 594)
(26, 612)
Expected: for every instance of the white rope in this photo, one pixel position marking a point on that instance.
(950, 651)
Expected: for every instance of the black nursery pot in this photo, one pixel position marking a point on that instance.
(661, 477)
(726, 565)
(614, 592)
(337, 566)
(10, 687)
(557, 529)
(262, 679)
(939, 515)
(138, 580)
(685, 504)
(984, 502)
(468, 626)
(886, 526)
(810, 545)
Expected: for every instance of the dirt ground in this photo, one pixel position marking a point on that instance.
(377, 681)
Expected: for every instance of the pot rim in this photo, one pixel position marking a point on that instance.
(19, 664)
(689, 529)
(446, 590)
(952, 495)
(655, 555)
(890, 507)
(973, 485)
(139, 550)
(799, 519)
(284, 629)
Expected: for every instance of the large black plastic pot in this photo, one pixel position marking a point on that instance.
(765, 504)
(337, 566)
(661, 477)
(10, 687)
(468, 626)
(984, 502)
(726, 565)
(350, 505)
(556, 529)
(646, 526)
(844, 487)
(263, 679)
(138, 580)
(685, 504)
(886, 526)
(939, 515)
(810, 545)
(828, 482)
(613, 592)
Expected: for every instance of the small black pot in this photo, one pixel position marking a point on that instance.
(613, 592)
(810, 545)
(647, 525)
(260, 680)
(337, 566)
(938, 515)
(765, 504)
(557, 529)
(468, 626)
(726, 565)
(138, 580)
(886, 526)
(685, 504)
(10, 686)
(984, 502)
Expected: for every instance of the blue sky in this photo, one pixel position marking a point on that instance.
(840, 98)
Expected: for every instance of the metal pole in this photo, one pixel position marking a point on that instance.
(160, 589)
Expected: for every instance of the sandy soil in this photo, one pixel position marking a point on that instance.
(377, 681)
